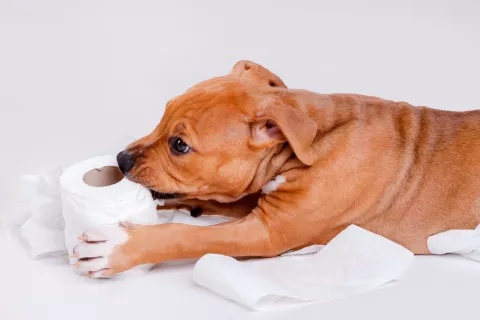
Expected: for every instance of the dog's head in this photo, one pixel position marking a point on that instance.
(214, 138)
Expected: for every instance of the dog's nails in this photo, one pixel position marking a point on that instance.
(82, 238)
(88, 274)
(76, 265)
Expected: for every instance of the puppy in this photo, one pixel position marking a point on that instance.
(294, 168)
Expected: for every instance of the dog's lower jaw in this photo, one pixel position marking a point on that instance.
(164, 196)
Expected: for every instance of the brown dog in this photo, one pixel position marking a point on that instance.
(400, 171)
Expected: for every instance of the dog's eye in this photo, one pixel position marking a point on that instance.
(178, 146)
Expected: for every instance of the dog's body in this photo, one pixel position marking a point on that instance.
(400, 171)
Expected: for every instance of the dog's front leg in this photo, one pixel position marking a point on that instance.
(108, 251)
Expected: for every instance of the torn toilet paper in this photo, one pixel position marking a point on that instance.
(462, 242)
(44, 230)
(355, 261)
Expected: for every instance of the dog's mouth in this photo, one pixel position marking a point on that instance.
(164, 196)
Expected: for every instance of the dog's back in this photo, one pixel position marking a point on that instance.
(437, 186)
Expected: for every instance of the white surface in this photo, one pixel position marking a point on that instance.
(354, 262)
(82, 78)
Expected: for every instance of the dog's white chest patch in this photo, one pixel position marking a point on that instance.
(273, 185)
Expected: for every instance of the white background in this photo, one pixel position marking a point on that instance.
(83, 78)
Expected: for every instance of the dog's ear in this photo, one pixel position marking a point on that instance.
(281, 123)
(254, 72)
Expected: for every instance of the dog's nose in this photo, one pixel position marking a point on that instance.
(126, 161)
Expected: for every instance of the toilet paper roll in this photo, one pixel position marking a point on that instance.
(95, 194)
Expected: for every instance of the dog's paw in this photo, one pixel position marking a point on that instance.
(105, 252)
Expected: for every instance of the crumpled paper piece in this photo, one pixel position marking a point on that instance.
(462, 242)
(44, 229)
(355, 261)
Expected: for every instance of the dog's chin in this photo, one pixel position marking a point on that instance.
(164, 196)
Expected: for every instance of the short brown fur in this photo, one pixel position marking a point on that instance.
(400, 171)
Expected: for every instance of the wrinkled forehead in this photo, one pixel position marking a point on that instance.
(219, 106)
(217, 91)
